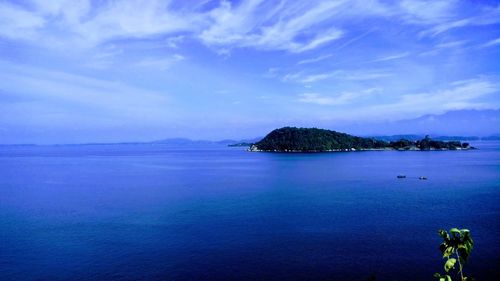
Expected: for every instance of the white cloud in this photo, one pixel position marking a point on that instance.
(271, 72)
(438, 29)
(343, 98)
(102, 58)
(316, 59)
(356, 75)
(391, 57)
(63, 24)
(160, 63)
(366, 75)
(427, 11)
(487, 16)
(454, 45)
(173, 42)
(16, 23)
(293, 26)
(464, 94)
(316, 98)
(62, 92)
(491, 43)
(254, 24)
(317, 41)
(69, 10)
(451, 44)
(316, 77)
(134, 19)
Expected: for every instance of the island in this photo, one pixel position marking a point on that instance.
(292, 139)
(240, 144)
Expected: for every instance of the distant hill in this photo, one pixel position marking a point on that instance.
(469, 122)
(180, 141)
(292, 139)
(442, 138)
(185, 141)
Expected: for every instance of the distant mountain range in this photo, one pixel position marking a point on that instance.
(442, 138)
(248, 142)
(465, 125)
(480, 123)
(458, 122)
(185, 141)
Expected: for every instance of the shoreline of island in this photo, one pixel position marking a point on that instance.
(253, 149)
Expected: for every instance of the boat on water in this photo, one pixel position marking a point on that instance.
(422, 178)
(401, 176)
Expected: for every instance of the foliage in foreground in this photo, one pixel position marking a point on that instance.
(456, 248)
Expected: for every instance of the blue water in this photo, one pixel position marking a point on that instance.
(155, 212)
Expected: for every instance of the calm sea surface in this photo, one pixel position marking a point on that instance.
(157, 212)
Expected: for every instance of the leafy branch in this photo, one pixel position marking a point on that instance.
(456, 248)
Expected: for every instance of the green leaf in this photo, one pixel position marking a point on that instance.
(442, 277)
(443, 247)
(444, 234)
(471, 246)
(449, 264)
(455, 233)
(448, 251)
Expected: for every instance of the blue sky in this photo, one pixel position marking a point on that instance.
(103, 71)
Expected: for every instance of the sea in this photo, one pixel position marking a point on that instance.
(212, 212)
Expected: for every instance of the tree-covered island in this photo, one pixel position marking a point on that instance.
(292, 139)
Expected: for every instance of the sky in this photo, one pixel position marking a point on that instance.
(106, 71)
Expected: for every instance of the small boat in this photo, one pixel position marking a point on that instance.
(401, 176)
(422, 178)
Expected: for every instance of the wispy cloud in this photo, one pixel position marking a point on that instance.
(487, 16)
(316, 59)
(353, 40)
(54, 91)
(491, 43)
(248, 26)
(291, 26)
(340, 99)
(438, 29)
(449, 45)
(463, 94)
(173, 42)
(103, 57)
(316, 98)
(16, 23)
(367, 75)
(160, 63)
(427, 12)
(272, 72)
(316, 77)
(390, 57)
(78, 25)
(356, 75)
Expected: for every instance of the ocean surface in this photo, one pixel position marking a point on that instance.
(160, 212)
